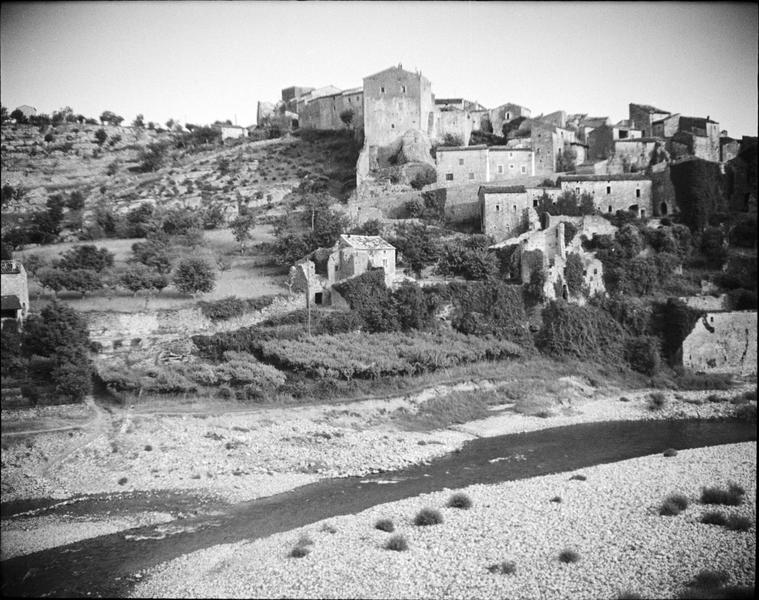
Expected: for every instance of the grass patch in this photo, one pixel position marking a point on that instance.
(385, 525)
(428, 516)
(148, 447)
(556, 499)
(732, 496)
(713, 517)
(669, 452)
(578, 477)
(459, 500)
(397, 543)
(568, 556)
(710, 579)
(123, 481)
(328, 528)
(629, 596)
(299, 552)
(507, 567)
(745, 412)
(738, 523)
(673, 505)
(305, 540)
(453, 408)
(704, 381)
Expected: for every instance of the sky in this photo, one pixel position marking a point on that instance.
(204, 61)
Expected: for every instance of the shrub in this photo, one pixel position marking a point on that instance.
(556, 499)
(428, 516)
(385, 525)
(299, 552)
(710, 579)
(507, 567)
(745, 412)
(148, 447)
(656, 400)
(642, 353)
(713, 517)
(670, 507)
(704, 381)
(194, 275)
(459, 500)
(397, 543)
(578, 477)
(670, 452)
(738, 523)
(123, 481)
(733, 496)
(568, 556)
(305, 540)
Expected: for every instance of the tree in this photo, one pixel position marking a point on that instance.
(194, 275)
(241, 228)
(19, 116)
(346, 116)
(170, 124)
(417, 246)
(86, 257)
(111, 118)
(153, 253)
(574, 273)
(138, 122)
(75, 200)
(152, 156)
(713, 247)
(139, 277)
(101, 136)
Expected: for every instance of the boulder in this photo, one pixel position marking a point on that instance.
(415, 147)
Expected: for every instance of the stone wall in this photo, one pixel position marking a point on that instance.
(723, 343)
(461, 165)
(509, 163)
(614, 194)
(457, 123)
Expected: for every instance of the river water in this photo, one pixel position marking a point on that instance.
(106, 565)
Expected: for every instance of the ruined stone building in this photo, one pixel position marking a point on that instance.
(15, 292)
(643, 116)
(352, 255)
(468, 164)
(508, 211)
(602, 138)
(505, 113)
(626, 192)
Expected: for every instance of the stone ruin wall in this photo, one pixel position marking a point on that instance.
(722, 343)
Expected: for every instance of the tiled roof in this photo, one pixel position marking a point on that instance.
(355, 90)
(502, 189)
(10, 303)
(507, 149)
(640, 139)
(460, 148)
(366, 242)
(617, 177)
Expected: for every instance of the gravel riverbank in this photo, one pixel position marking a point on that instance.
(611, 520)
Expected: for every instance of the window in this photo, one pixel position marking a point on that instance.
(608, 189)
(449, 176)
(471, 175)
(403, 89)
(515, 208)
(461, 162)
(382, 90)
(318, 297)
(511, 167)
(497, 208)
(535, 203)
(392, 125)
(524, 169)
(500, 168)
(577, 191)
(609, 208)
(508, 116)
(637, 193)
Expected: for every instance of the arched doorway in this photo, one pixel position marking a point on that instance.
(663, 208)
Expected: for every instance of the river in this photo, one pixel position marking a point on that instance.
(106, 565)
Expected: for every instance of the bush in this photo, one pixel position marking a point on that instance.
(642, 354)
(459, 500)
(745, 412)
(656, 401)
(578, 477)
(738, 523)
(708, 578)
(385, 525)
(713, 517)
(299, 552)
(556, 499)
(194, 275)
(733, 496)
(670, 452)
(569, 556)
(397, 543)
(507, 567)
(428, 516)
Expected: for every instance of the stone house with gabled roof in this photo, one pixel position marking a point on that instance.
(642, 117)
(626, 192)
(352, 255)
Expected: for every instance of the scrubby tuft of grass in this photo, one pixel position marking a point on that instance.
(709, 578)
(459, 500)
(329, 528)
(305, 540)
(656, 400)
(148, 447)
(713, 517)
(428, 516)
(673, 505)
(123, 480)
(733, 496)
(569, 556)
(397, 543)
(385, 525)
(507, 567)
(578, 477)
(556, 499)
(299, 552)
(670, 452)
(738, 523)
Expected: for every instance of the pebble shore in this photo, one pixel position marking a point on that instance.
(611, 520)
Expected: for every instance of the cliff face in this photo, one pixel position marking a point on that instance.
(722, 342)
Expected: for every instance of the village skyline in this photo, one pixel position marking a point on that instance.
(198, 62)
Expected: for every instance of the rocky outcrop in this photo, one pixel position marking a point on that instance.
(722, 342)
(415, 148)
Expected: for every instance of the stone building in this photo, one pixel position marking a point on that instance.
(232, 132)
(15, 291)
(353, 100)
(453, 122)
(467, 164)
(352, 255)
(728, 147)
(640, 153)
(601, 139)
(291, 94)
(396, 100)
(504, 210)
(505, 113)
(319, 109)
(694, 136)
(588, 124)
(547, 142)
(642, 117)
(626, 192)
